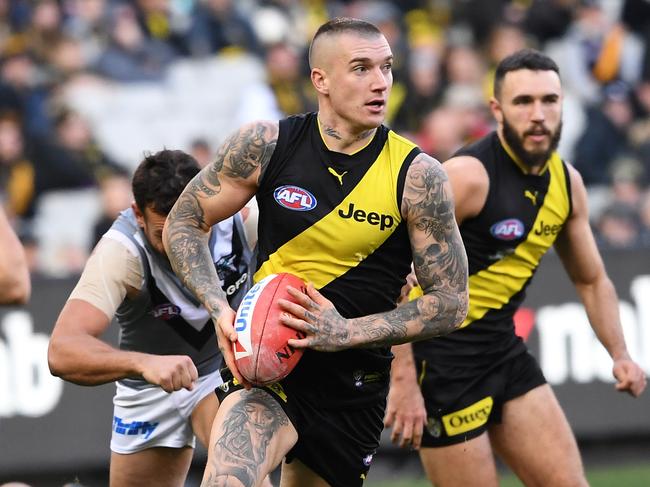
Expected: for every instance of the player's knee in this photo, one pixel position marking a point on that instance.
(561, 478)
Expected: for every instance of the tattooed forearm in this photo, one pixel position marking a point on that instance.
(439, 258)
(247, 430)
(187, 250)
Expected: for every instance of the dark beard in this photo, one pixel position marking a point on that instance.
(530, 159)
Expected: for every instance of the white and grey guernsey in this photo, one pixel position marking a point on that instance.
(165, 318)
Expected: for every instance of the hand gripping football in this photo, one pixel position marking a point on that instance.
(261, 350)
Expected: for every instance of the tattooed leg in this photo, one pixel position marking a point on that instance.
(250, 436)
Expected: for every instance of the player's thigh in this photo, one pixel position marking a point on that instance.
(155, 467)
(203, 417)
(250, 436)
(466, 464)
(536, 441)
(297, 474)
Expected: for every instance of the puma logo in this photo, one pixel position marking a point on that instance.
(532, 196)
(338, 176)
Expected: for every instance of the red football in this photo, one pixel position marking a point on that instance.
(261, 350)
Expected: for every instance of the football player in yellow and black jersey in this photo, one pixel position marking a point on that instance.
(345, 204)
(481, 391)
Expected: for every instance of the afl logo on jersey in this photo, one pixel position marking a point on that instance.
(294, 198)
(166, 311)
(509, 229)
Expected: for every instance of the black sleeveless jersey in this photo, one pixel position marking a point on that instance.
(521, 218)
(334, 220)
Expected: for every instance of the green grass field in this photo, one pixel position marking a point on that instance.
(619, 476)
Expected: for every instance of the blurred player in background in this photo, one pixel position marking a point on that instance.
(166, 367)
(482, 390)
(15, 284)
(345, 204)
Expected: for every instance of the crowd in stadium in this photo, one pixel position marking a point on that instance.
(445, 51)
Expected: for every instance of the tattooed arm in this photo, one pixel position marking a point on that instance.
(217, 192)
(440, 265)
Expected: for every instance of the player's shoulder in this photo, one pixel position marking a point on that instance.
(259, 130)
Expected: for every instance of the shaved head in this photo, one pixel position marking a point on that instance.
(334, 28)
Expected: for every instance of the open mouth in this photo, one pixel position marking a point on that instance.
(376, 105)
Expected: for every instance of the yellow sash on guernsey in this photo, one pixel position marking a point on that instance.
(335, 244)
(493, 287)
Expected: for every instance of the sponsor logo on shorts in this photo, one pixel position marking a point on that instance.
(361, 377)
(367, 460)
(166, 311)
(370, 217)
(468, 419)
(133, 428)
(295, 198)
(509, 229)
(434, 427)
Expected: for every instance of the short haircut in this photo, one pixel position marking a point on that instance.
(524, 59)
(160, 179)
(340, 25)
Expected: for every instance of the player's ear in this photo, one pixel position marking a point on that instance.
(495, 108)
(139, 217)
(319, 80)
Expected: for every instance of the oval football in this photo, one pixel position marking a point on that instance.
(262, 353)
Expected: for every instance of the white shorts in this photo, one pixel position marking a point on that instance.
(150, 417)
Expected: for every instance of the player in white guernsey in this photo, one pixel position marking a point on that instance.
(167, 364)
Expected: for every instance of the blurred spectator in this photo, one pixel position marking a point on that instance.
(86, 21)
(605, 135)
(596, 51)
(219, 25)
(480, 16)
(130, 56)
(636, 15)
(640, 130)
(159, 21)
(618, 227)
(292, 90)
(505, 39)
(71, 159)
(422, 89)
(442, 133)
(201, 151)
(626, 187)
(472, 109)
(464, 66)
(644, 217)
(17, 178)
(22, 87)
(44, 28)
(549, 19)
(115, 196)
(66, 59)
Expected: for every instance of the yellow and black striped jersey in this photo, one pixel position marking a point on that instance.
(520, 220)
(334, 220)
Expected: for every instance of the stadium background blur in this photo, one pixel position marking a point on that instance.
(88, 86)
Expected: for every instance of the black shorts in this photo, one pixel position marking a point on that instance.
(474, 408)
(337, 444)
